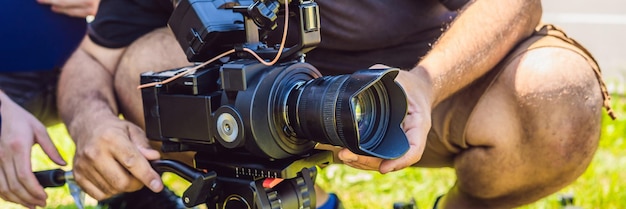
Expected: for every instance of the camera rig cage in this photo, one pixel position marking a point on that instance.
(254, 123)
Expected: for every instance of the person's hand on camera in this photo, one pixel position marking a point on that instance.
(19, 132)
(112, 157)
(74, 8)
(416, 125)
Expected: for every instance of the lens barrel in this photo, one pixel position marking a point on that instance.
(361, 111)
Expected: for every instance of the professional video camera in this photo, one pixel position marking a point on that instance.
(254, 123)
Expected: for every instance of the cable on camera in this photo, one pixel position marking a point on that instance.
(194, 69)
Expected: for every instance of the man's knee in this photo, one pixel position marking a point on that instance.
(559, 103)
(561, 94)
(535, 131)
(555, 72)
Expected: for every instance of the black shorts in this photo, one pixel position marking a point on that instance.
(35, 92)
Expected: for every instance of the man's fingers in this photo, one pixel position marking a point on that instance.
(70, 3)
(16, 188)
(138, 137)
(413, 155)
(149, 153)
(44, 141)
(36, 194)
(141, 169)
(89, 187)
(359, 161)
(113, 174)
(86, 174)
(5, 191)
(44, 1)
(119, 178)
(74, 11)
(410, 158)
(116, 163)
(28, 180)
(20, 178)
(379, 66)
(132, 158)
(347, 156)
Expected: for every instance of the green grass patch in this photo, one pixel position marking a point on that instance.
(601, 186)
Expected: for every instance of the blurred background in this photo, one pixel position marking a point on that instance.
(598, 25)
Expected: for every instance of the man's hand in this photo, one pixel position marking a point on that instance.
(416, 125)
(19, 132)
(74, 8)
(112, 157)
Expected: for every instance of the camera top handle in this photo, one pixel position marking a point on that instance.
(264, 14)
(204, 29)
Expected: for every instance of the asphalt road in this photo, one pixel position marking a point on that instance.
(600, 26)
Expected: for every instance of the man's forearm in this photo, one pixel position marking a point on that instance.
(483, 33)
(85, 91)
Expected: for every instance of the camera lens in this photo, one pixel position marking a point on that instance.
(351, 111)
(292, 107)
(362, 112)
(370, 109)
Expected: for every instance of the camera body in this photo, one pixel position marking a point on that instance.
(236, 107)
(275, 112)
(250, 122)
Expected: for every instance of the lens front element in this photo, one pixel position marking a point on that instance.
(371, 113)
(361, 111)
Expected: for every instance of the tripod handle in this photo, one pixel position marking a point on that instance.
(51, 178)
(202, 184)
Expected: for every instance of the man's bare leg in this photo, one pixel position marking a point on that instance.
(155, 51)
(534, 132)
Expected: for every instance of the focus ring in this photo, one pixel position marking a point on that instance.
(330, 99)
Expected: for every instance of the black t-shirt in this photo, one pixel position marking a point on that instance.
(355, 33)
(120, 22)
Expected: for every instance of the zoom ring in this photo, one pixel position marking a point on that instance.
(273, 200)
(304, 191)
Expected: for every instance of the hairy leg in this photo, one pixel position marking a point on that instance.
(534, 132)
(155, 51)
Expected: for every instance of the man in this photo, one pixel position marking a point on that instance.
(39, 37)
(491, 96)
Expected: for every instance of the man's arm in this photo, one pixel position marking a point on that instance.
(483, 33)
(110, 153)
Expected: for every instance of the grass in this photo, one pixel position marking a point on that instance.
(601, 186)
